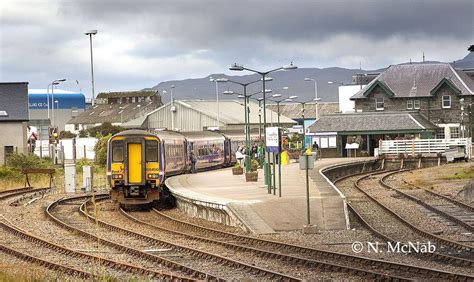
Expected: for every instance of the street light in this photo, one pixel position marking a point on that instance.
(172, 107)
(90, 33)
(57, 108)
(236, 67)
(247, 118)
(54, 82)
(316, 99)
(302, 114)
(217, 95)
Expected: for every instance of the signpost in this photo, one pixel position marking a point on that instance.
(273, 141)
(307, 163)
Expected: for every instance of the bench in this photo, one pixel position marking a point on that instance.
(49, 171)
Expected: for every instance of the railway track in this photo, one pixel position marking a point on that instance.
(197, 264)
(293, 253)
(388, 225)
(452, 211)
(30, 248)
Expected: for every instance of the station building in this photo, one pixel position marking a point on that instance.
(13, 118)
(199, 115)
(407, 101)
(63, 105)
(126, 109)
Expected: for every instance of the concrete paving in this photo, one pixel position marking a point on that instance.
(261, 212)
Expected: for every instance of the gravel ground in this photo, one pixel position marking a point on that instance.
(337, 241)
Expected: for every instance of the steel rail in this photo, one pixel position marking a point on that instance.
(372, 274)
(265, 273)
(424, 204)
(443, 241)
(195, 274)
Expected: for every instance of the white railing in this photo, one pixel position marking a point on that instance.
(423, 146)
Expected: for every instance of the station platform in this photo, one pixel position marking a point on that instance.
(250, 205)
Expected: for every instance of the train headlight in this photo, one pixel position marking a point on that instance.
(153, 176)
(117, 176)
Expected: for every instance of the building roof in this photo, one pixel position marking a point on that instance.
(295, 110)
(418, 80)
(372, 121)
(14, 101)
(113, 113)
(230, 111)
(143, 93)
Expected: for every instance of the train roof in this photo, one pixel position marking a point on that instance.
(168, 135)
(203, 135)
(133, 132)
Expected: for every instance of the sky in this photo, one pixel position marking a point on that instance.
(141, 43)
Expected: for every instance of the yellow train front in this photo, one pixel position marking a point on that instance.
(134, 167)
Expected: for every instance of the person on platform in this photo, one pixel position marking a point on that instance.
(193, 160)
(316, 149)
(239, 155)
(32, 137)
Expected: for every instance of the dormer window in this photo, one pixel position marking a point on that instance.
(379, 103)
(446, 102)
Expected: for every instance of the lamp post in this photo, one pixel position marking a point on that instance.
(236, 67)
(217, 96)
(172, 109)
(57, 109)
(316, 99)
(54, 82)
(90, 33)
(292, 98)
(247, 119)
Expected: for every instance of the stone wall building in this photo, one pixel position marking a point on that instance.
(13, 118)
(442, 94)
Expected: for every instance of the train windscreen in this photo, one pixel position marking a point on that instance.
(117, 151)
(151, 151)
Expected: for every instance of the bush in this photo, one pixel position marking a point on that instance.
(100, 150)
(254, 165)
(84, 162)
(105, 129)
(8, 173)
(66, 134)
(22, 161)
(83, 133)
(237, 165)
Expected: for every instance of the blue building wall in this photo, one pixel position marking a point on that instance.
(65, 100)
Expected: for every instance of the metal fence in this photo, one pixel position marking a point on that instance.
(423, 146)
(69, 149)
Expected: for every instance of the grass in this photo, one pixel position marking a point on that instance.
(464, 174)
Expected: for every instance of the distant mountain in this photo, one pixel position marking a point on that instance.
(465, 63)
(202, 88)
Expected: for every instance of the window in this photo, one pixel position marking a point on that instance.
(379, 103)
(416, 104)
(117, 151)
(446, 102)
(454, 132)
(440, 133)
(151, 151)
(409, 104)
(76, 127)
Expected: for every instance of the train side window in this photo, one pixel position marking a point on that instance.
(117, 151)
(151, 151)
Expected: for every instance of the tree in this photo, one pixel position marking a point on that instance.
(104, 129)
(66, 134)
(100, 150)
(83, 133)
(470, 48)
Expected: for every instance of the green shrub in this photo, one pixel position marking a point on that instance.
(237, 165)
(8, 173)
(84, 162)
(22, 161)
(105, 129)
(66, 135)
(100, 150)
(254, 165)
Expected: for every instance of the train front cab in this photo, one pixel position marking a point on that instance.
(135, 171)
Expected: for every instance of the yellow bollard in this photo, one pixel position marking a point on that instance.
(284, 158)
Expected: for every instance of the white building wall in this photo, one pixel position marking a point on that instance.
(345, 93)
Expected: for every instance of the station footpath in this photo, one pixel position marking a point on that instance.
(260, 212)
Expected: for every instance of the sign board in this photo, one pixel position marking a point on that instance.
(272, 139)
(303, 163)
(352, 146)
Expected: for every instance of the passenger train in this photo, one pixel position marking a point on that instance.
(138, 161)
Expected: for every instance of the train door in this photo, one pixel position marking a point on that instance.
(134, 163)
